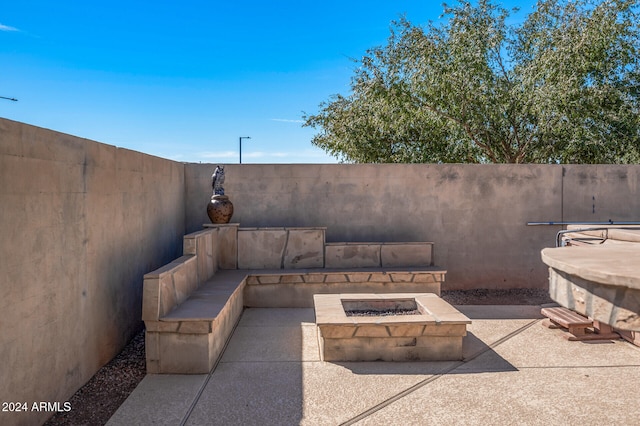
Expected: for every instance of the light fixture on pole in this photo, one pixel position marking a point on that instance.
(242, 137)
(9, 99)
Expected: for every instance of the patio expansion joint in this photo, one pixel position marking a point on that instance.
(286, 361)
(198, 395)
(435, 377)
(580, 367)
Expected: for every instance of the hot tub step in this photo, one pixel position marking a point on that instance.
(577, 325)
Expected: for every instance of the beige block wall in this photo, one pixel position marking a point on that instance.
(81, 223)
(476, 215)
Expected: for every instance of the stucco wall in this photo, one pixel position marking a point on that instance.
(81, 222)
(475, 214)
(601, 192)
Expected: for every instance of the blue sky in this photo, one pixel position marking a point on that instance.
(184, 80)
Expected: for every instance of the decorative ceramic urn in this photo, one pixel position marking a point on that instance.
(220, 208)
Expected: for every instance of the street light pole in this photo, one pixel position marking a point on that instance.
(242, 137)
(9, 99)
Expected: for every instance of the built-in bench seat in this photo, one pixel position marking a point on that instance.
(207, 302)
(191, 305)
(189, 338)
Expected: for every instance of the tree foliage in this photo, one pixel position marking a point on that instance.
(560, 87)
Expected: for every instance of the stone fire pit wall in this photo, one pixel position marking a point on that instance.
(434, 335)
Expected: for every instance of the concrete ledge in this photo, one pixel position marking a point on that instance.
(586, 235)
(601, 282)
(626, 233)
(607, 265)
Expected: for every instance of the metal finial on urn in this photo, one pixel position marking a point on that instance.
(220, 208)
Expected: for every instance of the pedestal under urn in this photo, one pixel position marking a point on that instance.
(220, 208)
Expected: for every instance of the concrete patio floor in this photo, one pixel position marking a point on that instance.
(514, 371)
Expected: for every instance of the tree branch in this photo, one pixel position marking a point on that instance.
(465, 126)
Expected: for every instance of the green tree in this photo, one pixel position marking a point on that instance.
(560, 87)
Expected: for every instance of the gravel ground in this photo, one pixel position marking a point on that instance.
(101, 396)
(99, 399)
(527, 296)
(383, 313)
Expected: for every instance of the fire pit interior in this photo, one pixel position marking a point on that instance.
(383, 308)
(388, 327)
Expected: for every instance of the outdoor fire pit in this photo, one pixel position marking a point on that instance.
(388, 327)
